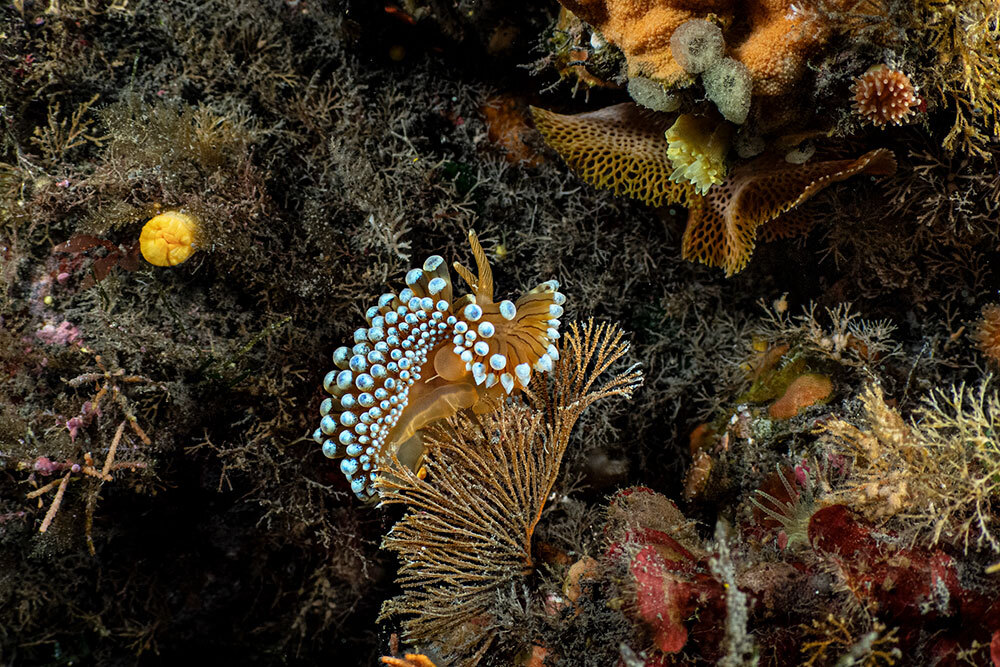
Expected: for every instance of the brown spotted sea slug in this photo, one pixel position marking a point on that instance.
(424, 356)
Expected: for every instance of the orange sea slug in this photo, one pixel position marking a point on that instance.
(168, 239)
(424, 356)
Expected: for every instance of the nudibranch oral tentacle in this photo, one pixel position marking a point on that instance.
(424, 356)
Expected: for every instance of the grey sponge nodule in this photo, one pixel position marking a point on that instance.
(697, 45)
(728, 84)
(652, 95)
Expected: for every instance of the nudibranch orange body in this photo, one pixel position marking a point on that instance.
(424, 356)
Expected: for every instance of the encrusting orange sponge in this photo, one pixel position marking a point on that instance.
(804, 391)
(168, 239)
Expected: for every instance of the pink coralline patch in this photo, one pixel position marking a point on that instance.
(82, 420)
(64, 333)
(45, 465)
(995, 649)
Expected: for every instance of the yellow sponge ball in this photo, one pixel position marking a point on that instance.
(168, 239)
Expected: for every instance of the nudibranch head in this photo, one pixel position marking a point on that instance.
(168, 239)
(424, 356)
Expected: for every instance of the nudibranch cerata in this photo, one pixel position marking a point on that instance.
(424, 356)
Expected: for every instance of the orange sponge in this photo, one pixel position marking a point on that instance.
(804, 391)
(168, 239)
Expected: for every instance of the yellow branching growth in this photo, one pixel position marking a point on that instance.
(965, 35)
(467, 534)
(834, 636)
(939, 476)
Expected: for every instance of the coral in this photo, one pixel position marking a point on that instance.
(883, 95)
(169, 238)
(468, 528)
(479, 350)
(697, 150)
(722, 230)
(804, 391)
(621, 148)
(987, 332)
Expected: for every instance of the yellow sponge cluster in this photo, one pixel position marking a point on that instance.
(168, 239)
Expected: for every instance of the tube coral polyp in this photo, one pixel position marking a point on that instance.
(426, 355)
(697, 150)
(168, 239)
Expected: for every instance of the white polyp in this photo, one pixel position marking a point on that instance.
(523, 373)
(498, 362)
(491, 380)
(481, 348)
(507, 380)
(508, 310)
(486, 329)
(553, 333)
(555, 310)
(433, 262)
(466, 356)
(559, 298)
(553, 352)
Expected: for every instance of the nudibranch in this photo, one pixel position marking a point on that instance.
(424, 356)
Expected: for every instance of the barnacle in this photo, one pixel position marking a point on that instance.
(883, 95)
(168, 239)
(424, 356)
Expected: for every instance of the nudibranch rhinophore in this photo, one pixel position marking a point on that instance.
(424, 356)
